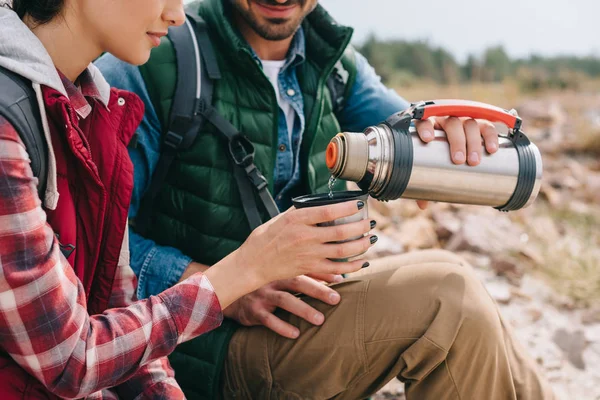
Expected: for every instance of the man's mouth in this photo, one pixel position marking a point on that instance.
(276, 11)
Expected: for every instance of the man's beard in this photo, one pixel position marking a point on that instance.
(276, 28)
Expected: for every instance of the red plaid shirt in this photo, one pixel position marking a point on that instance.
(44, 324)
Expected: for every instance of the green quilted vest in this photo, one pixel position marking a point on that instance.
(198, 209)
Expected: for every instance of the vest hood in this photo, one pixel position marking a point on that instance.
(22, 53)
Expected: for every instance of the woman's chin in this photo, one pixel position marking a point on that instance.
(135, 57)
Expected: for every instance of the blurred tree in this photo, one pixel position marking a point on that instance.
(497, 64)
(401, 61)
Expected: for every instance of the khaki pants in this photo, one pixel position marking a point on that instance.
(423, 317)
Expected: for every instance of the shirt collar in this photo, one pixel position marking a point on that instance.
(297, 52)
(79, 92)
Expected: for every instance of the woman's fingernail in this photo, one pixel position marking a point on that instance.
(365, 265)
(474, 157)
(373, 239)
(295, 333)
(492, 147)
(426, 135)
(360, 205)
(338, 278)
(373, 223)
(459, 156)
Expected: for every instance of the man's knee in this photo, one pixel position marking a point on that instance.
(450, 297)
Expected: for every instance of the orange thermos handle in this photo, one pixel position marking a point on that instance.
(462, 108)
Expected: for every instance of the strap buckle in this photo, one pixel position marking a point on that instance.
(172, 140)
(241, 150)
(257, 179)
(177, 129)
(242, 154)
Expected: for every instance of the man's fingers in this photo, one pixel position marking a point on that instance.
(425, 130)
(294, 305)
(312, 288)
(278, 326)
(474, 145)
(490, 136)
(456, 138)
(329, 278)
(422, 204)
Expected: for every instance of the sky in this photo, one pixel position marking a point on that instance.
(546, 27)
(523, 27)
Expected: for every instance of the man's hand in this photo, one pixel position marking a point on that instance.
(191, 269)
(257, 308)
(464, 136)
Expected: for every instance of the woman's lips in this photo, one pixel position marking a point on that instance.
(155, 37)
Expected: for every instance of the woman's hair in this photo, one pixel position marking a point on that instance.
(41, 11)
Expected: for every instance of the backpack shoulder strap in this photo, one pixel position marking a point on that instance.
(197, 70)
(193, 90)
(18, 104)
(342, 79)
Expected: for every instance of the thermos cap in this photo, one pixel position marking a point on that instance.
(331, 154)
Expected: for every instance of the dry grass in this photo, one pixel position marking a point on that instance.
(571, 264)
(502, 95)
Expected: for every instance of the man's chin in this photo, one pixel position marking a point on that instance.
(276, 29)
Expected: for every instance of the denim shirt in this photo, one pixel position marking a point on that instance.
(160, 267)
(287, 172)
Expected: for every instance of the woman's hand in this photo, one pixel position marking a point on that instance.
(291, 245)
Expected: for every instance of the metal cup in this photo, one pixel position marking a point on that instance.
(323, 199)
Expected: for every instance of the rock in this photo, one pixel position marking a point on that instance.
(535, 314)
(546, 229)
(418, 233)
(532, 252)
(487, 234)
(572, 344)
(509, 267)
(577, 170)
(551, 194)
(380, 207)
(447, 224)
(592, 188)
(383, 222)
(579, 208)
(542, 113)
(499, 292)
(385, 246)
(476, 260)
(591, 316)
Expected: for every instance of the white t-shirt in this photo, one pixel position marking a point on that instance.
(272, 69)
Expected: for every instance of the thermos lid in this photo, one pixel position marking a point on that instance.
(331, 154)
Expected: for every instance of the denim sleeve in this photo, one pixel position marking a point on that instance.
(370, 101)
(157, 267)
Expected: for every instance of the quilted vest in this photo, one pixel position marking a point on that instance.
(95, 181)
(198, 209)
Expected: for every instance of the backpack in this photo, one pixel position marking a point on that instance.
(19, 106)
(197, 70)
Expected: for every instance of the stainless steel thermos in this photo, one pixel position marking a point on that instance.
(390, 161)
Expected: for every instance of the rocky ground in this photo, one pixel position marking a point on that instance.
(541, 264)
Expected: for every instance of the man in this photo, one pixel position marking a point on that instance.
(430, 322)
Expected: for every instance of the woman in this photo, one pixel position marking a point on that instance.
(69, 323)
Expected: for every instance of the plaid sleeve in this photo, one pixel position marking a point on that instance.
(44, 323)
(155, 380)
